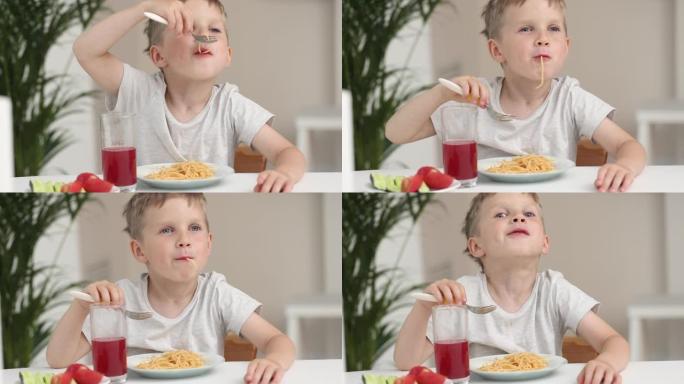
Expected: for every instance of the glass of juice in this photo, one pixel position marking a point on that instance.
(450, 328)
(108, 336)
(118, 150)
(459, 142)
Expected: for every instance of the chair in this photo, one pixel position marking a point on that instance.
(589, 153)
(248, 160)
(235, 348)
(6, 145)
(576, 350)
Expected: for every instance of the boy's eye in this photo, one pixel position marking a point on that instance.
(195, 227)
(166, 230)
(500, 215)
(555, 28)
(530, 214)
(215, 30)
(526, 29)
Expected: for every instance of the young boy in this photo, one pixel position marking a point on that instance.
(528, 38)
(183, 114)
(191, 310)
(505, 235)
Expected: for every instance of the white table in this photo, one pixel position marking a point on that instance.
(654, 178)
(314, 307)
(666, 112)
(301, 372)
(653, 307)
(641, 372)
(237, 182)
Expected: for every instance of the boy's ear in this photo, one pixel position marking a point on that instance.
(474, 248)
(229, 58)
(211, 239)
(495, 52)
(545, 245)
(137, 252)
(157, 58)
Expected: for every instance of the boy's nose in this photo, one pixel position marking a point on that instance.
(542, 43)
(519, 219)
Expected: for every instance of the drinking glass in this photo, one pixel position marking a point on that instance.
(108, 336)
(450, 329)
(459, 142)
(118, 150)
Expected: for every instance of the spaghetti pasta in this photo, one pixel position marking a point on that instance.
(524, 164)
(541, 82)
(173, 360)
(183, 171)
(522, 361)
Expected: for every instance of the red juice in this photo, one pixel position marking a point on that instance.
(452, 359)
(118, 165)
(109, 356)
(460, 158)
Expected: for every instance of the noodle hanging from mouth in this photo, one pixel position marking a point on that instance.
(522, 361)
(541, 81)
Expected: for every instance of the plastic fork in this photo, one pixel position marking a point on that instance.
(457, 88)
(198, 38)
(130, 314)
(474, 309)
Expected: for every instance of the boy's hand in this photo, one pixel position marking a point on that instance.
(474, 92)
(104, 292)
(447, 292)
(264, 371)
(273, 181)
(598, 372)
(175, 12)
(613, 177)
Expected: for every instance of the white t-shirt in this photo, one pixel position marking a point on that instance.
(554, 306)
(216, 308)
(553, 129)
(227, 120)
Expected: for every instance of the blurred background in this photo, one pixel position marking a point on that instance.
(624, 250)
(286, 57)
(282, 250)
(635, 62)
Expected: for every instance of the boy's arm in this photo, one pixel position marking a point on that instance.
(274, 344)
(627, 151)
(93, 45)
(67, 343)
(412, 121)
(278, 150)
(613, 348)
(412, 347)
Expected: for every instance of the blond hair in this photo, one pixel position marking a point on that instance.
(492, 13)
(470, 223)
(154, 30)
(135, 208)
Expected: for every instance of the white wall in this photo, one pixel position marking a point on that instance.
(283, 58)
(627, 61)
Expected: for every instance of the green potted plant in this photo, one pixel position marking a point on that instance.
(40, 98)
(369, 291)
(27, 289)
(377, 90)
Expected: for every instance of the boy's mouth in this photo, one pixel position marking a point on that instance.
(518, 231)
(184, 258)
(203, 52)
(545, 56)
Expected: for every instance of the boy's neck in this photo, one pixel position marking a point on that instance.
(521, 98)
(186, 98)
(510, 288)
(169, 298)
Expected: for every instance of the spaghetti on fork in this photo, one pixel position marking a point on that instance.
(187, 170)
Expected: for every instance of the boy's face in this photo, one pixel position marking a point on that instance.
(509, 227)
(182, 57)
(175, 243)
(529, 33)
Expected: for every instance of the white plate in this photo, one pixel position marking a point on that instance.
(555, 362)
(210, 361)
(220, 171)
(561, 165)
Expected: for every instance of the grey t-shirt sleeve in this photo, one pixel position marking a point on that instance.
(572, 304)
(246, 118)
(235, 307)
(588, 111)
(137, 89)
